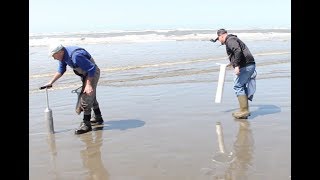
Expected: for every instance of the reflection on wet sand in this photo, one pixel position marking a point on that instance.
(221, 155)
(234, 165)
(53, 150)
(91, 155)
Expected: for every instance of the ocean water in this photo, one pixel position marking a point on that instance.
(154, 57)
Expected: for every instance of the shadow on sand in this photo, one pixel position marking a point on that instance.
(120, 125)
(261, 110)
(112, 125)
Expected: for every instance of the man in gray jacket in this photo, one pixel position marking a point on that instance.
(244, 66)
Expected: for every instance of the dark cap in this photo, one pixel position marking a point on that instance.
(219, 33)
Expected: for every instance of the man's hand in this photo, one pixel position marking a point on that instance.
(88, 90)
(237, 70)
(48, 85)
(88, 87)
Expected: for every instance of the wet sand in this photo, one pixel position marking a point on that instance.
(166, 132)
(161, 122)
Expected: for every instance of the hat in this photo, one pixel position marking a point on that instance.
(219, 33)
(54, 48)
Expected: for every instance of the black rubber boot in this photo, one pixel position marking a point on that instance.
(85, 126)
(97, 118)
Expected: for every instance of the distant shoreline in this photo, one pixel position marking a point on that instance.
(153, 36)
(159, 32)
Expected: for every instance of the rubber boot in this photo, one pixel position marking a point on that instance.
(85, 126)
(243, 113)
(97, 118)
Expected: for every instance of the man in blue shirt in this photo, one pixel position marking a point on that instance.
(84, 66)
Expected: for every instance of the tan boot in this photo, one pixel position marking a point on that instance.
(244, 108)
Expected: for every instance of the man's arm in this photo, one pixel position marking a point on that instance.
(237, 53)
(56, 76)
(236, 49)
(85, 64)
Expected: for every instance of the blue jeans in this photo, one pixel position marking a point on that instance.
(242, 79)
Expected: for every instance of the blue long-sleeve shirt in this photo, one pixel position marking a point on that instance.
(80, 59)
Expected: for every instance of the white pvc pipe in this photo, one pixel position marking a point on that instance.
(48, 116)
(222, 75)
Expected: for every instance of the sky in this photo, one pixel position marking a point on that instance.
(49, 16)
